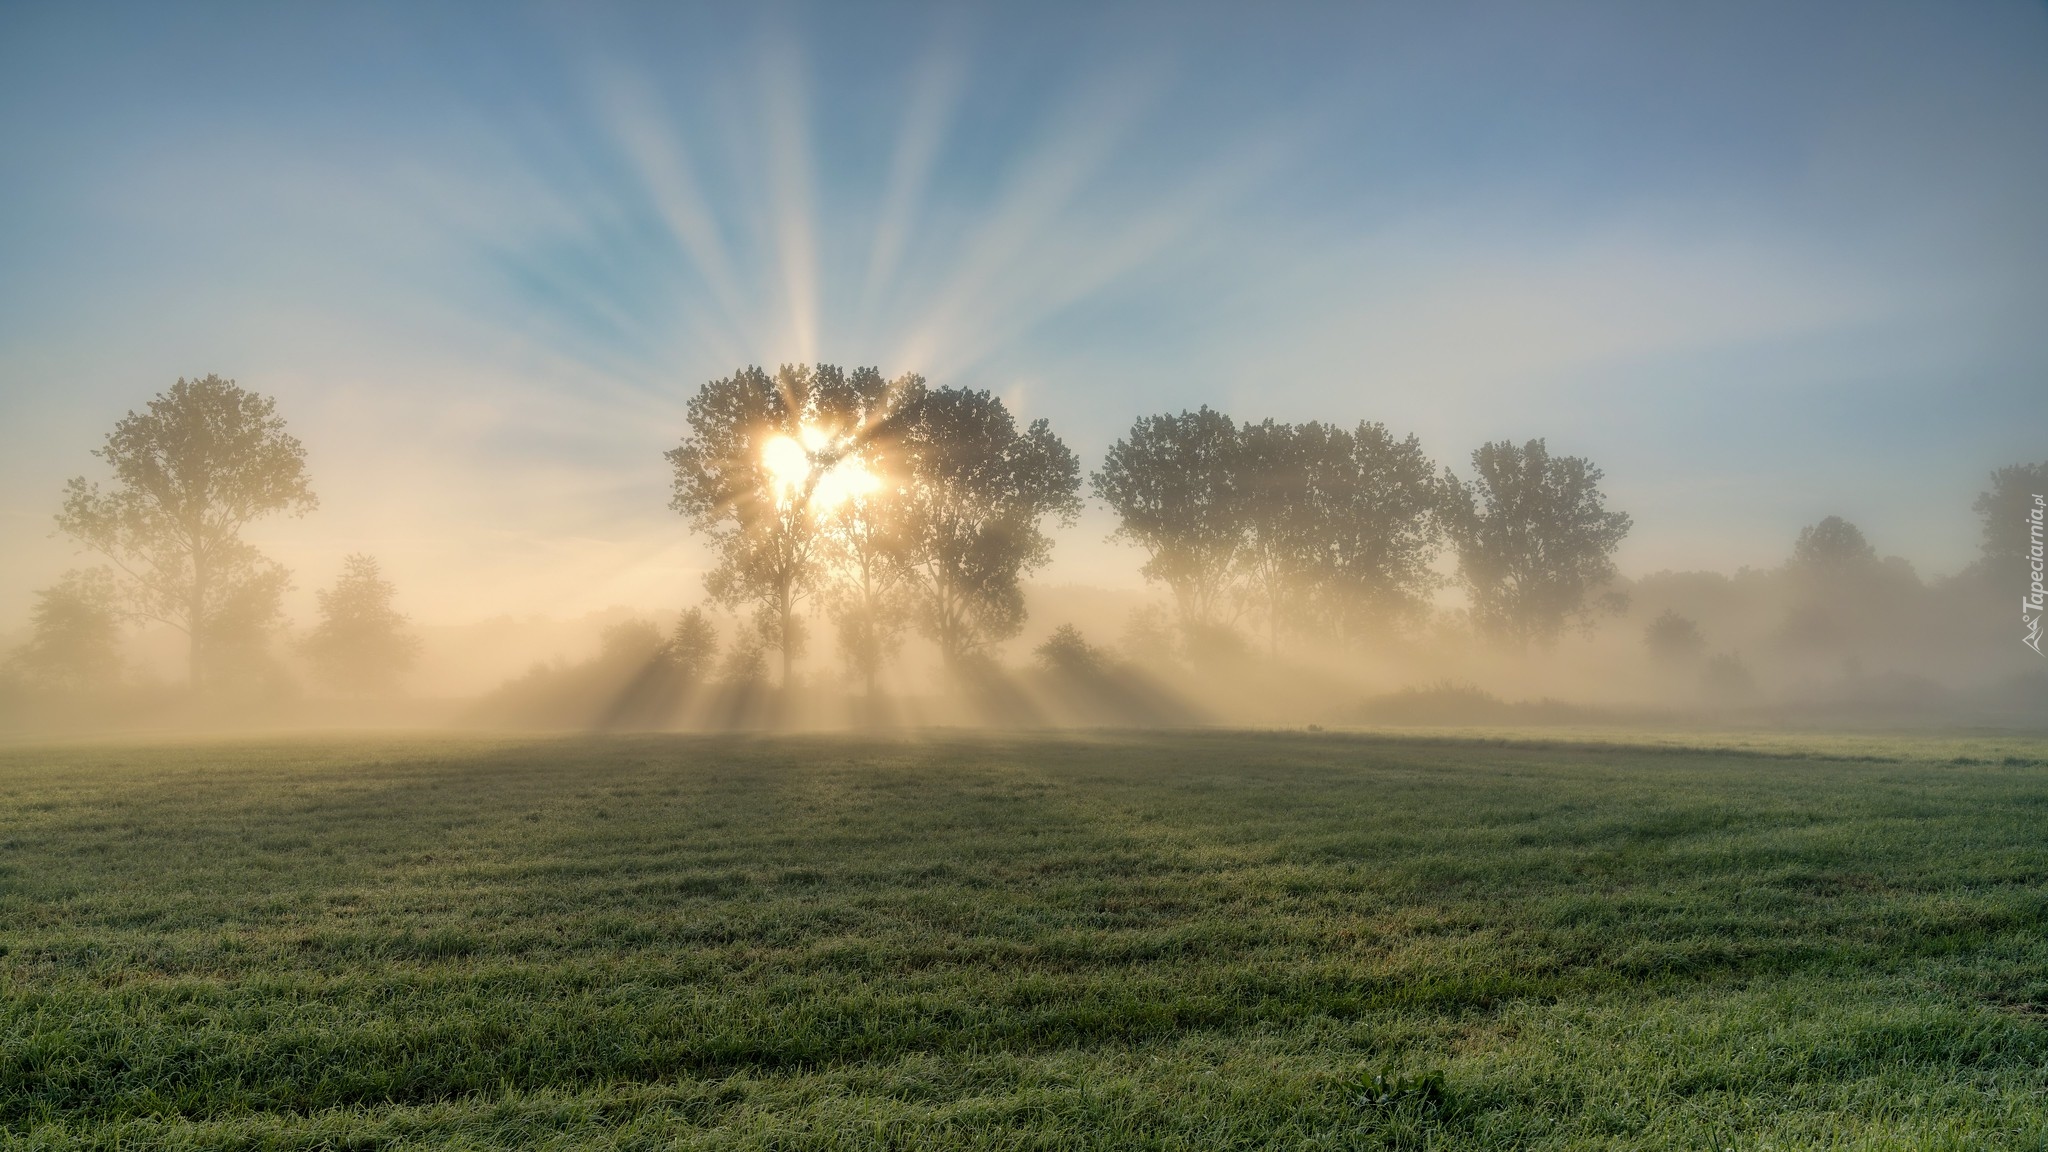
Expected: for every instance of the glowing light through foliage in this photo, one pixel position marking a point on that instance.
(816, 469)
(789, 466)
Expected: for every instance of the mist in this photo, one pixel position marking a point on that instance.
(872, 547)
(1766, 306)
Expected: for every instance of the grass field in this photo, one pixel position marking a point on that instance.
(1192, 941)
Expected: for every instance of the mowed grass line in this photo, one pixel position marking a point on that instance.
(1194, 940)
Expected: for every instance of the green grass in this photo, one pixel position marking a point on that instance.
(1193, 941)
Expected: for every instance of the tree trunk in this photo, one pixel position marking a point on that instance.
(949, 639)
(195, 624)
(788, 641)
(1273, 628)
(871, 655)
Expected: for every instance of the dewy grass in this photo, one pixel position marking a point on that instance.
(1177, 941)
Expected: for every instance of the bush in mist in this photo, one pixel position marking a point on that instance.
(639, 679)
(1067, 653)
(693, 645)
(238, 645)
(1151, 639)
(745, 664)
(362, 643)
(1832, 549)
(1838, 621)
(74, 639)
(1077, 682)
(1461, 702)
(1674, 640)
(1726, 680)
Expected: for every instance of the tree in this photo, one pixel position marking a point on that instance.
(1534, 540)
(1175, 484)
(764, 455)
(1846, 602)
(2006, 507)
(1305, 523)
(1832, 549)
(1374, 501)
(1674, 639)
(1282, 545)
(362, 644)
(205, 460)
(1067, 653)
(973, 493)
(692, 646)
(74, 633)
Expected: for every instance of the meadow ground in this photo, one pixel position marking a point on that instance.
(1201, 940)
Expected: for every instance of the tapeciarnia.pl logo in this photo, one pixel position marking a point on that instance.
(2032, 603)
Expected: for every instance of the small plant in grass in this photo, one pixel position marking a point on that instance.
(1387, 1091)
(1402, 1111)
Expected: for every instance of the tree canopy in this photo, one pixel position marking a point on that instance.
(1535, 540)
(1374, 501)
(1176, 486)
(2004, 508)
(975, 491)
(693, 646)
(1833, 547)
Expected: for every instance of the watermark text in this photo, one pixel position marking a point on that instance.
(2036, 598)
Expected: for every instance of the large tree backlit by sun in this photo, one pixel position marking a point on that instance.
(767, 457)
(901, 501)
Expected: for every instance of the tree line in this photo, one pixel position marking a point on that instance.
(893, 507)
(903, 506)
(1335, 531)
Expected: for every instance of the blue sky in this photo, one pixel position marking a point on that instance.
(1762, 263)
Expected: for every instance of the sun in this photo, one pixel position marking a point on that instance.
(789, 466)
(796, 463)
